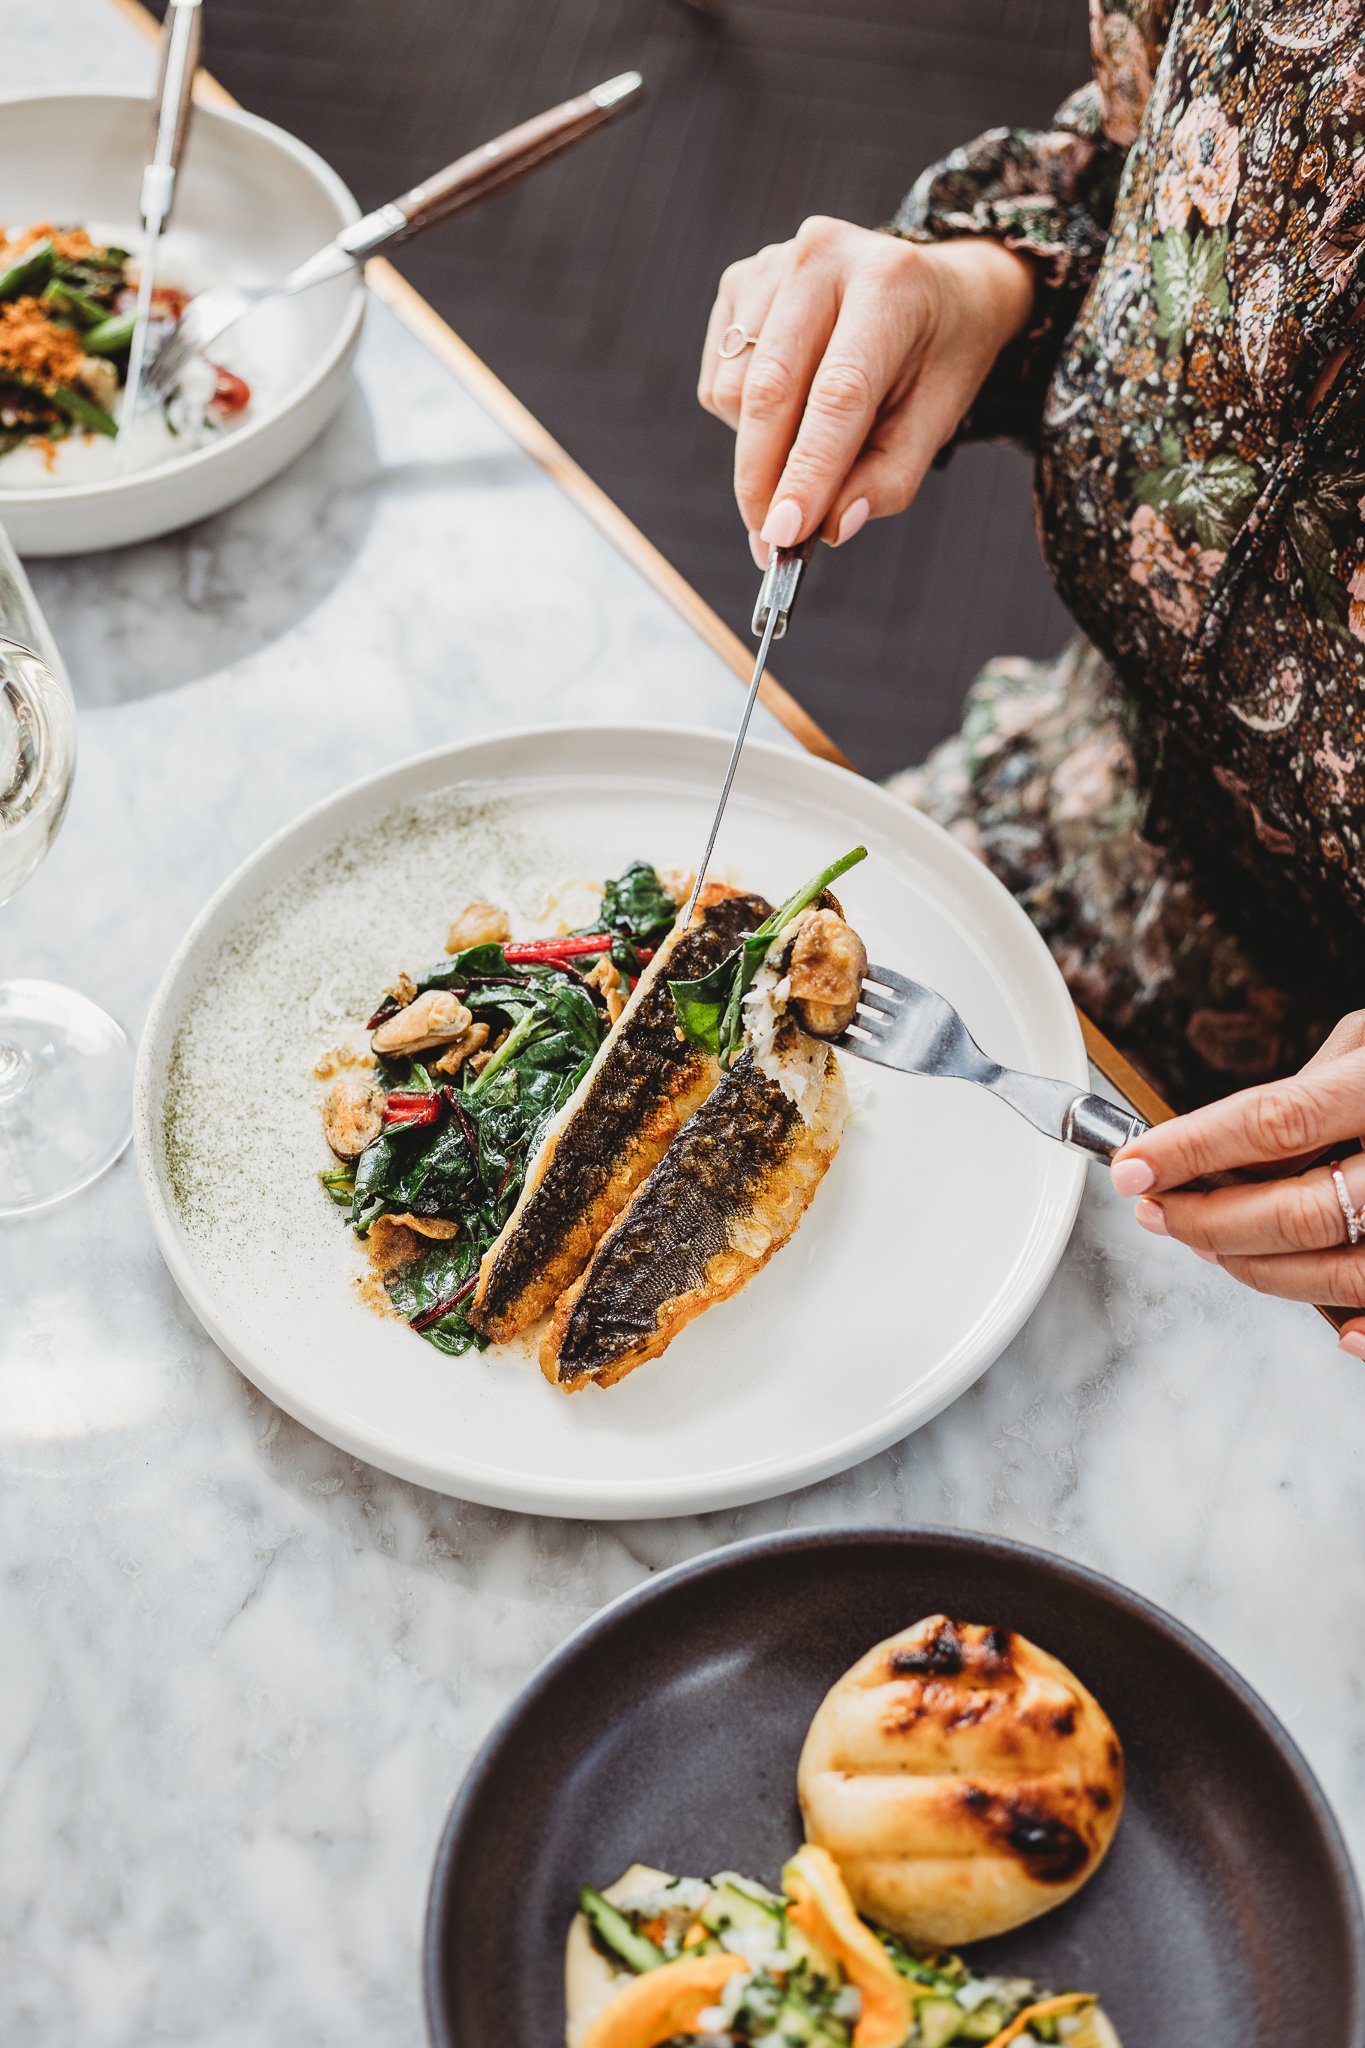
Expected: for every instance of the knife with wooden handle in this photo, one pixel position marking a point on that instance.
(470, 178)
(488, 169)
(496, 164)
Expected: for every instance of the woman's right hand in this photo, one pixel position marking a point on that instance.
(870, 350)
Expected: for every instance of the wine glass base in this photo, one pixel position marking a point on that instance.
(66, 1083)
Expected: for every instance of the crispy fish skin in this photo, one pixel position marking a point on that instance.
(727, 1194)
(634, 1099)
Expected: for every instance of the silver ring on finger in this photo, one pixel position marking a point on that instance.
(734, 341)
(1355, 1218)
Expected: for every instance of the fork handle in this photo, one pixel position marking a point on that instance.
(500, 163)
(1099, 1128)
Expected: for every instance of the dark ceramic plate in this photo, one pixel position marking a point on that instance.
(667, 1731)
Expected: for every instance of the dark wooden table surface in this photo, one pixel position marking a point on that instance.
(587, 289)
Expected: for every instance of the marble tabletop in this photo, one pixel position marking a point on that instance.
(241, 1672)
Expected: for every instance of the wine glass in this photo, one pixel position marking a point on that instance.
(65, 1067)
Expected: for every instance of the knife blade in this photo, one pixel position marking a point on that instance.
(171, 104)
(776, 597)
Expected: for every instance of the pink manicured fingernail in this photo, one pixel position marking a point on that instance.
(1353, 1342)
(782, 527)
(759, 550)
(1152, 1217)
(1131, 1176)
(853, 521)
(1209, 1258)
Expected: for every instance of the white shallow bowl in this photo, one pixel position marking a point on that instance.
(251, 203)
(930, 1240)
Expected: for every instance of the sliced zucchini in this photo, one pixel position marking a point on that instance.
(939, 2022)
(797, 2024)
(733, 1904)
(615, 1932)
(984, 2022)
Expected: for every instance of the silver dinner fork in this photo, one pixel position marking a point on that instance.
(900, 1023)
(483, 171)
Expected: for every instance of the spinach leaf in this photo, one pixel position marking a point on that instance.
(700, 1005)
(467, 1164)
(436, 1277)
(482, 964)
(571, 1021)
(710, 1009)
(638, 911)
(382, 1176)
(637, 905)
(433, 1175)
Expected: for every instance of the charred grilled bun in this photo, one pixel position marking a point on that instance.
(963, 1780)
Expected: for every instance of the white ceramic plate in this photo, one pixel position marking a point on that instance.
(251, 202)
(930, 1240)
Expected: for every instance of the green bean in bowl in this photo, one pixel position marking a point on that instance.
(67, 301)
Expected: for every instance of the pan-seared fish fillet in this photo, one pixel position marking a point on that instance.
(729, 1191)
(634, 1099)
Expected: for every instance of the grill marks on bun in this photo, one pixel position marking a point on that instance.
(963, 1779)
(1052, 1852)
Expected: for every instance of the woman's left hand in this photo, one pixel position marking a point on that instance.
(1280, 1229)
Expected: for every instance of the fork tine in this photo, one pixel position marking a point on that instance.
(199, 325)
(864, 1046)
(160, 372)
(872, 1029)
(166, 364)
(889, 979)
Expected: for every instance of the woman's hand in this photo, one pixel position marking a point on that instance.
(869, 351)
(1282, 1230)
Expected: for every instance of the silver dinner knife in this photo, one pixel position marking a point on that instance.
(171, 106)
(776, 597)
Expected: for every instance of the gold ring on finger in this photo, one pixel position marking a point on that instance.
(1355, 1219)
(734, 341)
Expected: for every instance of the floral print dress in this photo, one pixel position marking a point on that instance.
(1181, 803)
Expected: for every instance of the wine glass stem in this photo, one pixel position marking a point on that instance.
(16, 1072)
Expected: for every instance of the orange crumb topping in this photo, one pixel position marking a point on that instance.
(34, 348)
(72, 243)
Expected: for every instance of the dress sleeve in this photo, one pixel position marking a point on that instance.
(1049, 194)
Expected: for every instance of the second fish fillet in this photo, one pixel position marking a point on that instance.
(727, 1194)
(629, 1107)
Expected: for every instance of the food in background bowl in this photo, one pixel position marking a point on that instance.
(964, 1781)
(691, 1963)
(67, 302)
